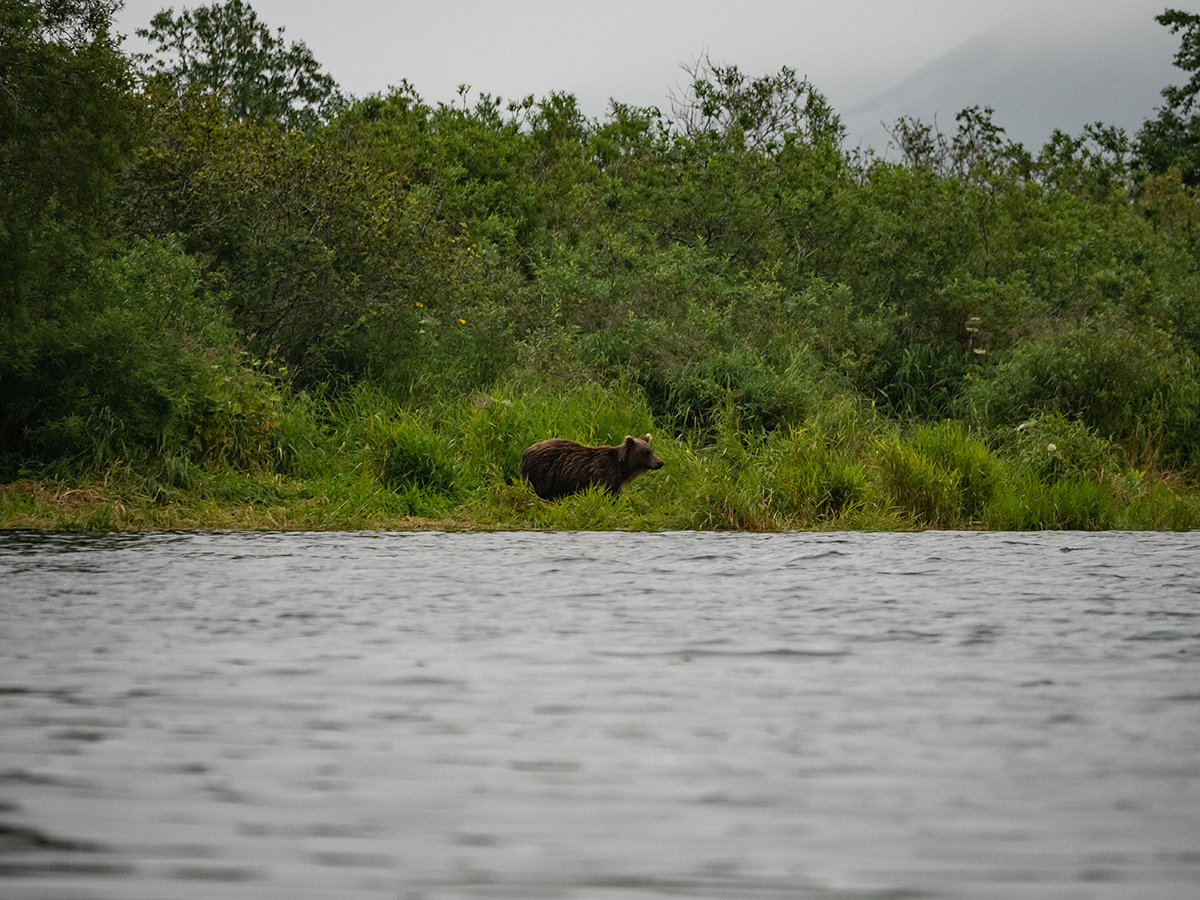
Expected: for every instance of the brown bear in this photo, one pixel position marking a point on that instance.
(559, 467)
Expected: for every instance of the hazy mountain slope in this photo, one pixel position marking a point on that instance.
(1036, 78)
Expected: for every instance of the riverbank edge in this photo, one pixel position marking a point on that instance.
(46, 505)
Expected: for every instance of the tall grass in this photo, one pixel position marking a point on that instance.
(364, 459)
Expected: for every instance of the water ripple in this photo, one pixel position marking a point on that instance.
(582, 715)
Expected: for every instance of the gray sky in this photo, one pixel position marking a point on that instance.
(1040, 64)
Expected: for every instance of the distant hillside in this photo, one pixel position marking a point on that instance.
(1036, 80)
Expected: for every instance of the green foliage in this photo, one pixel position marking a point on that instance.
(1052, 448)
(102, 384)
(148, 364)
(371, 311)
(1127, 381)
(811, 479)
(496, 430)
(763, 114)
(976, 150)
(67, 122)
(224, 48)
(1172, 139)
(328, 255)
(421, 458)
(1187, 58)
(1158, 506)
(976, 473)
(925, 491)
(941, 476)
(1094, 165)
(764, 396)
(1034, 505)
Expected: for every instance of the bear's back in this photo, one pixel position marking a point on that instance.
(557, 467)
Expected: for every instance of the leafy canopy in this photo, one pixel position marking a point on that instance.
(66, 125)
(1173, 137)
(1187, 58)
(759, 113)
(226, 49)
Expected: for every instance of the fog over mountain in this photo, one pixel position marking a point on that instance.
(1036, 81)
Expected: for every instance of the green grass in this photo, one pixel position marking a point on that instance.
(365, 461)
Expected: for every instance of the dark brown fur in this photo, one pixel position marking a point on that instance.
(559, 467)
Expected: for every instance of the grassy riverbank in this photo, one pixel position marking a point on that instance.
(365, 462)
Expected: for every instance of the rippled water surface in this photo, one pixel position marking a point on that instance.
(429, 716)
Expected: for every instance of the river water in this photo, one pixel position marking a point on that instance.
(599, 715)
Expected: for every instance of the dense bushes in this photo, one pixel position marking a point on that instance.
(1128, 381)
(403, 296)
(141, 362)
(67, 123)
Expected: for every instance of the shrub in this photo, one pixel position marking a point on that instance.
(928, 493)
(977, 473)
(765, 396)
(1127, 382)
(495, 433)
(941, 475)
(415, 456)
(809, 480)
(1157, 506)
(111, 377)
(1052, 447)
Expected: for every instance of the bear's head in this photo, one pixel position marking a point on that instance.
(636, 457)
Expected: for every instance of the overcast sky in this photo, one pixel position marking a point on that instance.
(1041, 64)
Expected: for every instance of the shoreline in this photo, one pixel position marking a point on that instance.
(46, 505)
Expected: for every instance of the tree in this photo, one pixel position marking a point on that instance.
(977, 149)
(1173, 137)
(66, 126)
(762, 114)
(226, 49)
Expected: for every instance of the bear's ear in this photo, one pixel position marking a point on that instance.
(628, 440)
(646, 438)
